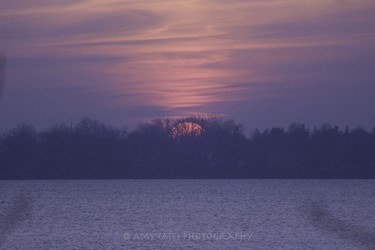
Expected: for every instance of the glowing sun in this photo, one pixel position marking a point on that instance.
(186, 129)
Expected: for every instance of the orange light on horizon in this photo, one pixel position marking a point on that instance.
(186, 129)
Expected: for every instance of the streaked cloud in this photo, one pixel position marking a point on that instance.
(194, 56)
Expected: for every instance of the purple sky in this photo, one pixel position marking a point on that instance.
(262, 62)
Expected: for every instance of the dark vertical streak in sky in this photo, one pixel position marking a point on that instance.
(2, 72)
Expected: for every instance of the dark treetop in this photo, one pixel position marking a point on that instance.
(195, 147)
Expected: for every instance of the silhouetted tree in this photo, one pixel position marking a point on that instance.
(20, 151)
(192, 147)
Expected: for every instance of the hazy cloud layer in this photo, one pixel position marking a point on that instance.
(264, 63)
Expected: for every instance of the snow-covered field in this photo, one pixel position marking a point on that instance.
(189, 214)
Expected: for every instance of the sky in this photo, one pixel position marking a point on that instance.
(263, 63)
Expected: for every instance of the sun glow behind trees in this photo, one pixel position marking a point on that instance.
(203, 148)
(186, 129)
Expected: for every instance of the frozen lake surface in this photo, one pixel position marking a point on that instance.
(187, 214)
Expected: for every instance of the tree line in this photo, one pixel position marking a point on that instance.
(194, 147)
